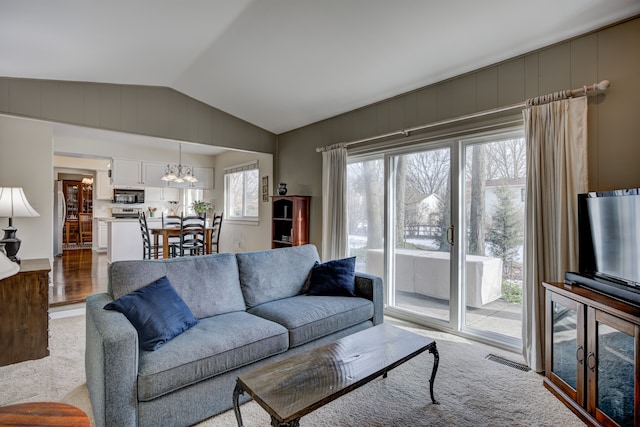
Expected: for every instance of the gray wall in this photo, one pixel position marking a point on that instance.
(145, 110)
(612, 53)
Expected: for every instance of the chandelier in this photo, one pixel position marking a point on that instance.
(179, 173)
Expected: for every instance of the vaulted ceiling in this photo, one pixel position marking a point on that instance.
(282, 64)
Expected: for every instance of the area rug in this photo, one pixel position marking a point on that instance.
(77, 246)
(472, 390)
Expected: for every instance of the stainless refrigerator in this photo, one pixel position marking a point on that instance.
(59, 215)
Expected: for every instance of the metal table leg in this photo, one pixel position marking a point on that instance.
(237, 391)
(436, 359)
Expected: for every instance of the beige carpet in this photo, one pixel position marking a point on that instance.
(472, 391)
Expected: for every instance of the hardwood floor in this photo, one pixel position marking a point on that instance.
(77, 274)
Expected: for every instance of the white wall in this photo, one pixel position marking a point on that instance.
(26, 160)
(243, 237)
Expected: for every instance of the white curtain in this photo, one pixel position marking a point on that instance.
(556, 138)
(334, 203)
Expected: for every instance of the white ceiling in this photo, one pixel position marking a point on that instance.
(282, 64)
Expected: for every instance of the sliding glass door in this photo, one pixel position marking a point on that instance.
(420, 231)
(442, 224)
(494, 196)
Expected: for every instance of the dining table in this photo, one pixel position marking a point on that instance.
(167, 232)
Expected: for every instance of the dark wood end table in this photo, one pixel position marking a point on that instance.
(295, 386)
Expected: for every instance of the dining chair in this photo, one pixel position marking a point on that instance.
(172, 221)
(216, 225)
(149, 250)
(192, 235)
(85, 226)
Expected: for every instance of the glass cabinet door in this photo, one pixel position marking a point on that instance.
(72, 199)
(567, 345)
(611, 369)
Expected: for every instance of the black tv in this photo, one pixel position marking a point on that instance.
(609, 243)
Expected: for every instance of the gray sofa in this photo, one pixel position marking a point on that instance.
(250, 312)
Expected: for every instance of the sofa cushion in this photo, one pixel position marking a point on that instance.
(336, 277)
(156, 311)
(215, 345)
(208, 284)
(310, 317)
(274, 274)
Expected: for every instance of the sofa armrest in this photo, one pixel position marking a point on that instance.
(370, 287)
(111, 363)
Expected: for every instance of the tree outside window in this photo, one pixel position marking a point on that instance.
(241, 191)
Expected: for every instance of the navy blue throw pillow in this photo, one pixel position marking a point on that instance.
(156, 311)
(334, 278)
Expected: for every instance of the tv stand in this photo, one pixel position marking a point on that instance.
(591, 358)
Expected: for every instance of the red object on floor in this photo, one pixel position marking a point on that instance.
(44, 414)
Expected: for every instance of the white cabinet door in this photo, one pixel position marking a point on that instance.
(103, 187)
(102, 235)
(162, 194)
(171, 194)
(205, 178)
(153, 194)
(152, 174)
(126, 173)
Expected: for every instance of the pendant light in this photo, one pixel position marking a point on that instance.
(179, 173)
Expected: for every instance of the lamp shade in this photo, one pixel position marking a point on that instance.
(14, 204)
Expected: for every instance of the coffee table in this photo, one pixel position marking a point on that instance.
(295, 386)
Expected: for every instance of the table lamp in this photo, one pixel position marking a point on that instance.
(13, 204)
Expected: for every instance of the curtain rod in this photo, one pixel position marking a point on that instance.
(604, 84)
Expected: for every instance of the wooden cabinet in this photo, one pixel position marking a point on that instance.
(592, 354)
(290, 221)
(78, 198)
(24, 316)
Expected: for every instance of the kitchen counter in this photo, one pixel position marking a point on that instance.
(124, 241)
(111, 219)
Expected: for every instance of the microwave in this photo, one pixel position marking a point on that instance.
(128, 196)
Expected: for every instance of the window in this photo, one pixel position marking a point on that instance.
(241, 192)
(189, 196)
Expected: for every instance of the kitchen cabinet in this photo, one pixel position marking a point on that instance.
(162, 194)
(152, 173)
(124, 240)
(100, 230)
(126, 173)
(102, 186)
(591, 354)
(205, 178)
(137, 174)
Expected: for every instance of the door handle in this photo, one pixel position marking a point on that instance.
(591, 361)
(451, 235)
(580, 354)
